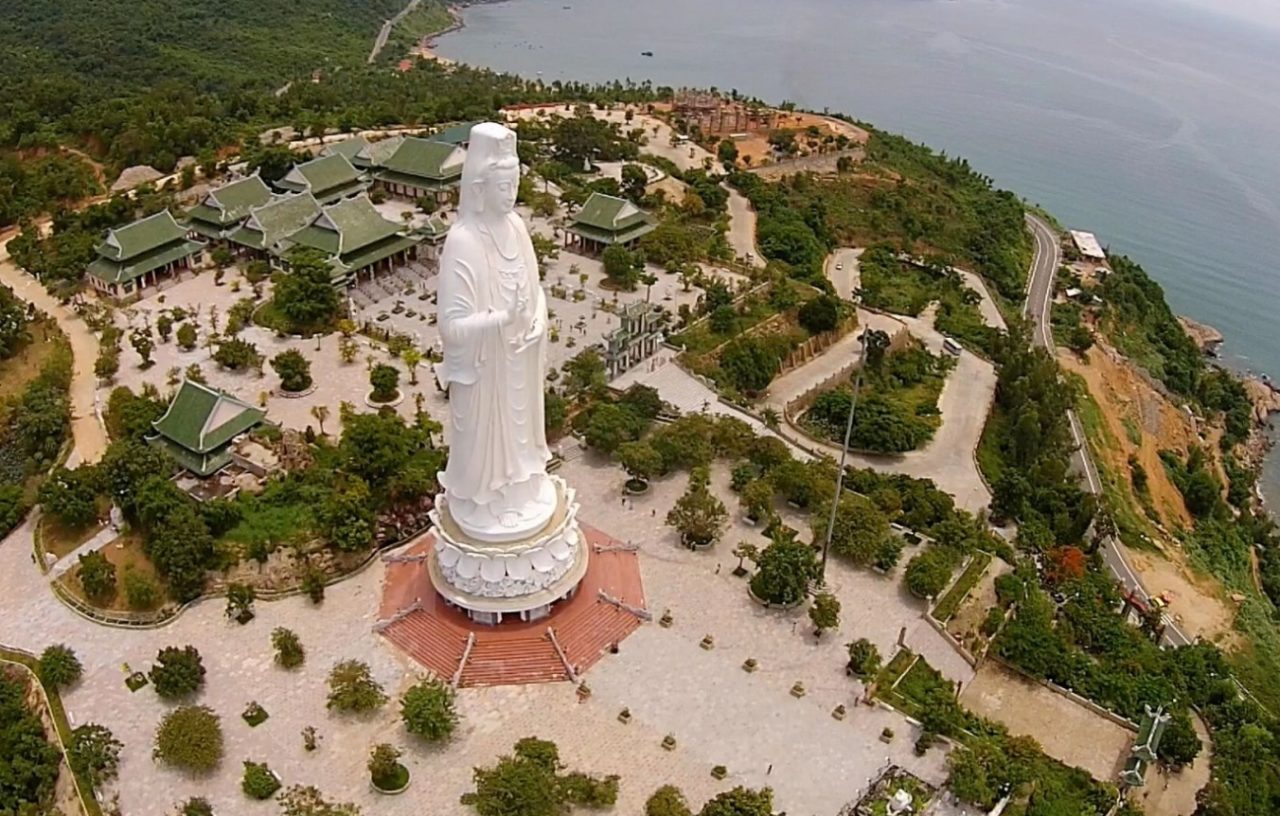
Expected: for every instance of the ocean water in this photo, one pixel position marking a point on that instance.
(1154, 123)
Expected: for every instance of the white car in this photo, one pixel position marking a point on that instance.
(839, 267)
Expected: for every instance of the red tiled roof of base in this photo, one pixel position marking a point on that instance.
(585, 626)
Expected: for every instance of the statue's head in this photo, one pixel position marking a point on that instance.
(491, 173)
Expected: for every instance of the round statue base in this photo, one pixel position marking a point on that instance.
(492, 581)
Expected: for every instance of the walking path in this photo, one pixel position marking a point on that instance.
(742, 228)
(88, 431)
(100, 539)
(387, 27)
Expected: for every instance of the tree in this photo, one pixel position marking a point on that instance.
(142, 343)
(385, 381)
(428, 710)
(164, 326)
(622, 267)
(289, 651)
(195, 806)
(97, 576)
(237, 354)
(784, 570)
(347, 519)
(864, 657)
(71, 496)
(585, 375)
(320, 413)
(59, 667)
(860, 531)
(634, 182)
(825, 612)
(698, 515)
(1080, 339)
(352, 688)
(667, 800)
(240, 598)
(178, 672)
(640, 460)
(130, 416)
(609, 426)
(740, 802)
(94, 752)
(294, 370)
(301, 800)
(305, 294)
(724, 320)
(727, 152)
(190, 738)
(929, 572)
(107, 363)
(186, 337)
(375, 446)
(411, 357)
(757, 500)
(529, 783)
(822, 314)
(1180, 745)
(28, 760)
(140, 590)
(258, 781)
(750, 363)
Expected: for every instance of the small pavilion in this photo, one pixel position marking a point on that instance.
(433, 234)
(356, 239)
(606, 221)
(136, 256)
(223, 209)
(328, 178)
(200, 425)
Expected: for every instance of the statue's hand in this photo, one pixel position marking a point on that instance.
(530, 337)
(504, 316)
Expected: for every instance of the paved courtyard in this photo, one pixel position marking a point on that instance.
(715, 710)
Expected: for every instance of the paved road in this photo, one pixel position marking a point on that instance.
(1044, 267)
(842, 271)
(742, 228)
(387, 27)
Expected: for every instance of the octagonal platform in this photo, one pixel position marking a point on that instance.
(435, 635)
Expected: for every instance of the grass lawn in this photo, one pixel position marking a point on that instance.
(272, 524)
(961, 588)
(59, 540)
(23, 365)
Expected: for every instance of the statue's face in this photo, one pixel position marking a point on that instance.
(501, 189)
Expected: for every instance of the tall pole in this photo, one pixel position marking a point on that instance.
(844, 454)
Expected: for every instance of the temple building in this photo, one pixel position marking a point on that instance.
(459, 135)
(433, 234)
(328, 178)
(419, 168)
(364, 154)
(605, 221)
(269, 225)
(136, 256)
(636, 339)
(200, 425)
(223, 209)
(355, 238)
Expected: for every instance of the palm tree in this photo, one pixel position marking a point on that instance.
(770, 417)
(411, 357)
(321, 413)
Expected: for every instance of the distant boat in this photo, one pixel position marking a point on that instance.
(646, 53)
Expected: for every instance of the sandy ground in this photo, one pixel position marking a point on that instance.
(1065, 730)
(966, 624)
(1195, 602)
(1174, 794)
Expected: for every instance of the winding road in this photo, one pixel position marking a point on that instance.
(1044, 267)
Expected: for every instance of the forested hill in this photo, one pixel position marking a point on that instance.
(80, 67)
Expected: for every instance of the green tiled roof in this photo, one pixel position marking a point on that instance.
(325, 240)
(201, 464)
(377, 152)
(458, 134)
(426, 159)
(140, 237)
(234, 201)
(350, 148)
(326, 177)
(201, 419)
(109, 271)
(610, 214)
(375, 252)
(435, 229)
(357, 223)
(271, 223)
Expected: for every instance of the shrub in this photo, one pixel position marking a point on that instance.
(189, 738)
(94, 752)
(258, 781)
(784, 570)
(352, 688)
(667, 800)
(195, 806)
(428, 710)
(186, 337)
(178, 672)
(289, 651)
(929, 572)
(236, 354)
(140, 590)
(864, 657)
(97, 576)
(385, 381)
(385, 769)
(59, 667)
(825, 612)
(821, 314)
(294, 370)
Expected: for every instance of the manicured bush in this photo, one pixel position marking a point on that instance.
(258, 781)
(352, 688)
(289, 650)
(59, 667)
(190, 738)
(929, 572)
(178, 672)
(428, 710)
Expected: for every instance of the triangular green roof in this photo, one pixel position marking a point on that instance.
(426, 159)
(347, 147)
(201, 419)
(377, 152)
(273, 222)
(355, 222)
(435, 228)
(145, 235)
(235, 200)
(609, 213)
(458, 134)
(324, 177)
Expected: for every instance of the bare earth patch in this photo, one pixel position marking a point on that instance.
(1066, 730)
(1174, 794)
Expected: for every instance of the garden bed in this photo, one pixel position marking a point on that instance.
(950, 602)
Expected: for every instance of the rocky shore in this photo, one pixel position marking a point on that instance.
(1205, 336)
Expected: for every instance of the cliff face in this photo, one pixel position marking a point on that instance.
(1205, 336)
(1266, 400)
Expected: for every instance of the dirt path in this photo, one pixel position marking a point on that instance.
(1174, 794)
(90, 436)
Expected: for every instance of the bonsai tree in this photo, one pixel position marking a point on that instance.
(258, 781)
(698, 515)
(289, 651)
(757, 500)
(294, 370)
(864, 658)
(178, 672)
(428, 710)
(240, 598)
(58, 667)
(640, 461)
(385, 770)
(385, 381)
(352, 688)
(784, 569)
(825, 612)
(189, 738)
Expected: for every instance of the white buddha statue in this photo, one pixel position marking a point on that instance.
(492, 316)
